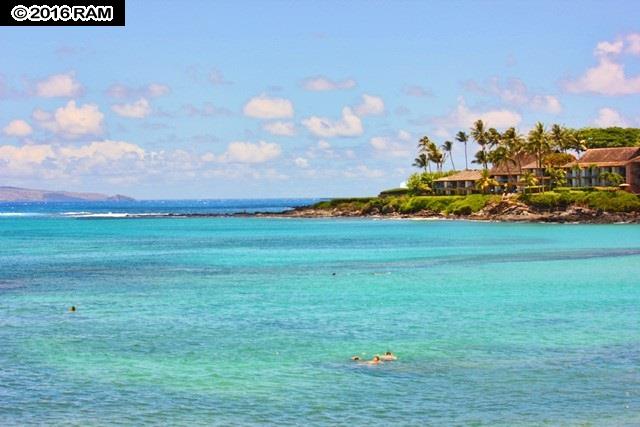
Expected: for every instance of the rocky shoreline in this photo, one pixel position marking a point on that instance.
(506, 210)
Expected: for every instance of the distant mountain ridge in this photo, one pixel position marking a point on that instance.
(17, 194)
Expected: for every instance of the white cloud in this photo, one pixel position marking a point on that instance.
(321, 84)
(72, 121)
(370, 106)
(462, 118)
(609, 48)
(546, 104)
(363, 171)
(348, 126)
(17, 128)
(417, 91)
(265, 107)
(246, 152)
(136, 110)
(152, 90)
(59, 85)
(633, 44)
(607, 78)
(398, 146)
(514, 91)
(608, 117)
(49, 161)
(280, 128)
(301, 162)
(157, 89)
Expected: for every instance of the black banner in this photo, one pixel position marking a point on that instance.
(62, 13)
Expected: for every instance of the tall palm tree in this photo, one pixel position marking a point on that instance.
(435, 155)
(424, 145)
(479, 134)
(501, 156)
(447, 146)
(538, 143)
(421, 161)
(463, 137)
(482, 158)
(558, 137)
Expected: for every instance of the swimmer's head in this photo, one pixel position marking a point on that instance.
(388, 353)
(72, 308)
(376, 358)
(355, 358)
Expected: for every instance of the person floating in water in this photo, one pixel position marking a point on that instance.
(355, 358)
(389, 357)
(72, 309)
(376, 360)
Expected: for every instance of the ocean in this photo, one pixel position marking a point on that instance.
(253, 321)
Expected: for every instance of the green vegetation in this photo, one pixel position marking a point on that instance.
(609, 137)
(422, 183)
(608, 200)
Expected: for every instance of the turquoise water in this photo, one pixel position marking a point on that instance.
(240, 321)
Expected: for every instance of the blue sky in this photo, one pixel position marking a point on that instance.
(201, 99)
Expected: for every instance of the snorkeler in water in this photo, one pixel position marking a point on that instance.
(72, 309)
(389, 357)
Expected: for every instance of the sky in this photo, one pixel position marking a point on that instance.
(260, 99)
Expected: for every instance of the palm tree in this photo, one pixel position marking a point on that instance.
(515, 144)
(424, 146)
(486, 182)
(557, 177)
(528, 180)
(421, 161)
(558, 138)
(479, 134)
(482, 158)
(538, 143)
(502, 156)
(436, 156)
(448, 148)
(463, 137)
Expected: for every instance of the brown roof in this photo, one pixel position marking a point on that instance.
(514, 169)
(468, 175)
(608, 156)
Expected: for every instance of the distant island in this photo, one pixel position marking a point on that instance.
(16, 194)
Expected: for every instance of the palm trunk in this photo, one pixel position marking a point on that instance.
(466, 163)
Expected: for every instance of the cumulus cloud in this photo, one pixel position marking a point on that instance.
(46, 160)
(608, 117)
(515, 92)
(135, 110)
(246, 152)
(265, 107)
(207, 110)
(349, 125)
(394, 146)
(370, 106)
(363, 171)
(546, 104)
(280, 128)
(152, 90)
(18, 128)
(417, 91)
(322, 83)
(71, 121)
(608, 76)
(58, 85)
(462, 117)
(301, 162)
